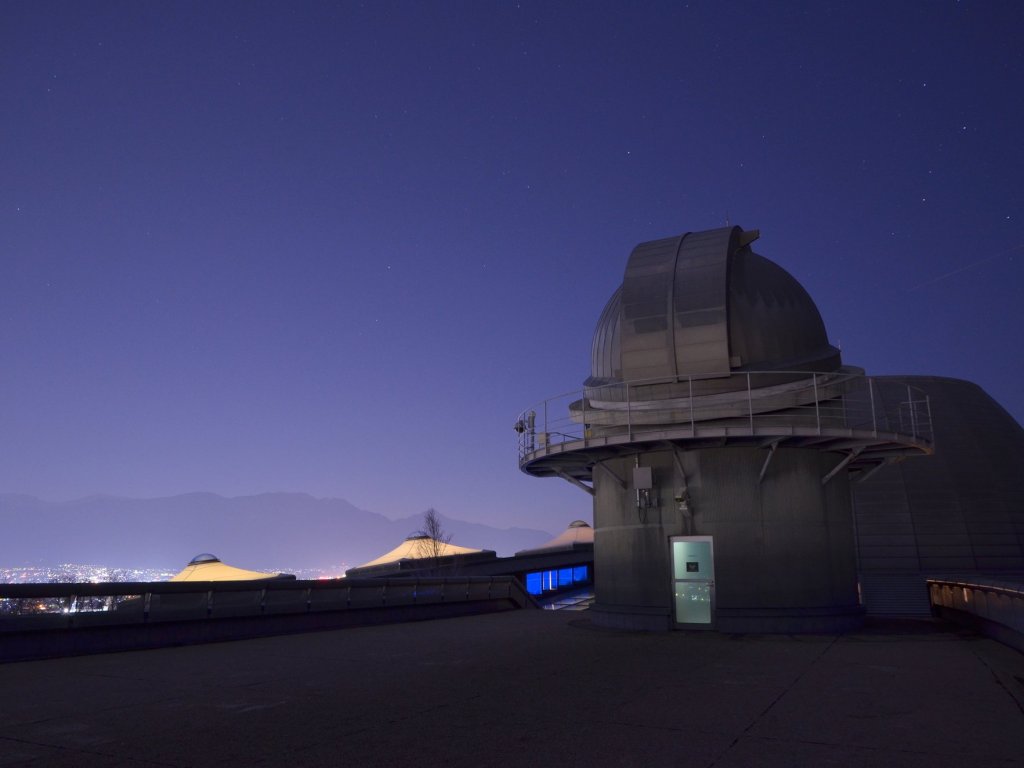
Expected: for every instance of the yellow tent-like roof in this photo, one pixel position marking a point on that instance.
(578, 533)
(207, 567)
(419, 547)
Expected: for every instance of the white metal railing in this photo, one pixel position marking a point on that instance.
(747, 403)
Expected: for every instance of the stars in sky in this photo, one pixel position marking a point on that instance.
(382, 230)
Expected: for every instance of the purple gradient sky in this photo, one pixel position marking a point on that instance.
(337, 247)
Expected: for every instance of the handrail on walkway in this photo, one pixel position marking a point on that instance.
(751, 402)
(996, 606)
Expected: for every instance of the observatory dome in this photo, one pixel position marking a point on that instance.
(703, 304)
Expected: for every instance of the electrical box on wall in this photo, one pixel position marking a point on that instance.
(643, 479)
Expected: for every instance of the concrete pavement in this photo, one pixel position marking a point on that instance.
(522, 689)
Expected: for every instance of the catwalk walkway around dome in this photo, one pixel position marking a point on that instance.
(527, 688)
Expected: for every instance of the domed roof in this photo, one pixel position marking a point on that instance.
(578, 535)
(207, 567)
(703, 304)
(420, 546)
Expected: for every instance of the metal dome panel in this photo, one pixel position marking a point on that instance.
(605, 353)
(699, 298)
(645, 327)
(703, 305)
(773, 322)
(674, 319)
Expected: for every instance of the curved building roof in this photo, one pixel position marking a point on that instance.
(958, 511)
(703, 304)
(420, 547)
(207, 567)
(579, 534)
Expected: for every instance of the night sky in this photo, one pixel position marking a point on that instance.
(338, 247)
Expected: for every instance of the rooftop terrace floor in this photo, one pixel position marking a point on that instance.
(526, 688)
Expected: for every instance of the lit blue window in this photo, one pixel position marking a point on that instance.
(540, 582)
(533, 583)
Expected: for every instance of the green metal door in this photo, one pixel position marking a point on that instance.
(693, 581)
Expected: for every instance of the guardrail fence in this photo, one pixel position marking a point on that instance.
(997, 606)
(25, 607)
(754, 402)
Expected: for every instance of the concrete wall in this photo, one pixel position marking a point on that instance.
(632, 585)
(784, 547)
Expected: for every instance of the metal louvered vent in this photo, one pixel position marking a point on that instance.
(895, 594)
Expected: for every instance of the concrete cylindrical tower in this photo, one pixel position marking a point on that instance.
(718, 430)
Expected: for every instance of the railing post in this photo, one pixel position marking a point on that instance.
(693, 432)
(871, 396)
(817, 407)
(629, 414)
(583, 400)
(910, 404)
(931, 427)
(750, 405)
(519, 436)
